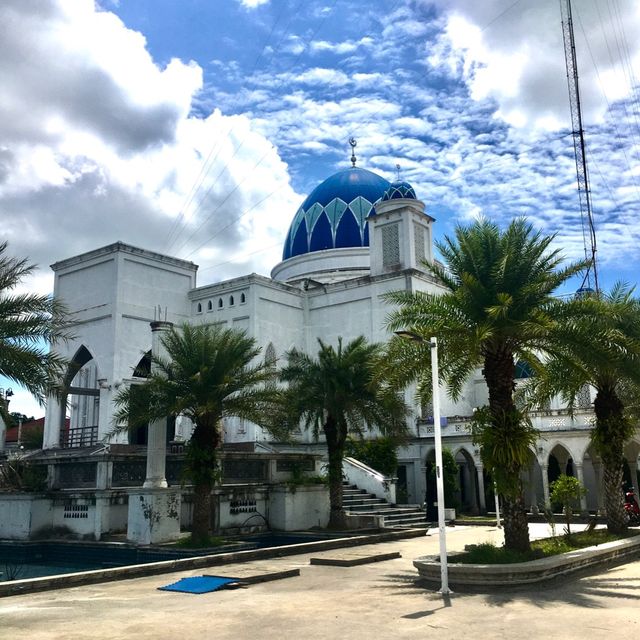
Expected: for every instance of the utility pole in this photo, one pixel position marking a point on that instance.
(588, 228)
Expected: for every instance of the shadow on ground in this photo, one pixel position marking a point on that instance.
(586, 588)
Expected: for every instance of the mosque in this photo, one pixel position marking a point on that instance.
(355, 237)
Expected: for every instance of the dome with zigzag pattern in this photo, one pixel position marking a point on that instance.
(334, 214)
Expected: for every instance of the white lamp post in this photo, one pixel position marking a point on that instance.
(437, 436)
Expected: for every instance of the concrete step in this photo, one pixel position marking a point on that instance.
(362, 502)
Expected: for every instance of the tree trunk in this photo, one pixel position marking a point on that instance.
(335, 449)
(516, 527)
(499, 373)
(609, 438)
(201, 463)
(201, 525)
(613, 477)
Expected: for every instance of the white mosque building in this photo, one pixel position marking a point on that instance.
(354, 238)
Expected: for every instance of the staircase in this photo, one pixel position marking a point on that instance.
(357, 502)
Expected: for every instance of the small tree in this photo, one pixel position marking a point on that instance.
(338, 392)
(210, 373)
(567, 490)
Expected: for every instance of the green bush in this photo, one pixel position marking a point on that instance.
(379, 454)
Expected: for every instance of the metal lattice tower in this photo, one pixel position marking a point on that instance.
(588, 228)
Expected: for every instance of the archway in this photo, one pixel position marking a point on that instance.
(139, 434)
(468, 498)
(81, 394)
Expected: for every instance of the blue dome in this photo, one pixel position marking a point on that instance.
(334, 214)
(399, 190)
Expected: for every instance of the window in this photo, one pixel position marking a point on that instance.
(231, 302)
(199, 308)
(243, 298)
(220, 303)
(209, 305)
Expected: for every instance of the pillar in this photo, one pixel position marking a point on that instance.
(545, 485)
(154, 511)
(105, 415)
(481, 496)
(53, 423)
(157, 434)
(577, 466)
(3, 434)
(534, 489)
(633, 469)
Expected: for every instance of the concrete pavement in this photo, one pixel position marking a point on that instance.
(373, 601)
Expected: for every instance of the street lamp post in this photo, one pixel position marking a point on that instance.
(437, 436)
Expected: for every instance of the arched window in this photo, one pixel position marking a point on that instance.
(199, 307)
(220, 303)
(209, 305)
(243, 298)
(231, 303)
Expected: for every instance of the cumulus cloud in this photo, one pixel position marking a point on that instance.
(98, 144)
(516, 56)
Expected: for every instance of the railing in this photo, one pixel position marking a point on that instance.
(79, 437)
(368, 479)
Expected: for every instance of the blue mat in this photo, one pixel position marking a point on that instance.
(198, 584)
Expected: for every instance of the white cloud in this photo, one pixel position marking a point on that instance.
(252, 4)
(97, 144)
(516, 56)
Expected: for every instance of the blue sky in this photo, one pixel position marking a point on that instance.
(196, 128)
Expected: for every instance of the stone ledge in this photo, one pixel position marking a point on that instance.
(355, 559)
(498, 575)
(27, 585)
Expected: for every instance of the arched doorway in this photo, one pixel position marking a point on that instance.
(139, 434)
(468, 498)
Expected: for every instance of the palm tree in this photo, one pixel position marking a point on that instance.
(29, 325)
(209, 373)
(340, 392)
(496, 308)
(601, 348)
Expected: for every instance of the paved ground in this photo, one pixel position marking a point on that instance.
(374, 601)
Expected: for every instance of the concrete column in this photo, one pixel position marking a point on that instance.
(157, 434)
(480, 475)
(597, 468)
(103, 475)
(633, 469)
(51, 476)
(105, 415)
(545, 485)
(54, 417)
(534, 492)
(3, 434)
(154, 512)
(101, 521)
(580, 476)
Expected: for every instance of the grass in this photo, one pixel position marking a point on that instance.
(488, 553)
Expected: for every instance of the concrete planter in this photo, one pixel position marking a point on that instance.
(496, 575)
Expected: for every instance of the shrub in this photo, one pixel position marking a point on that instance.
(379, 454)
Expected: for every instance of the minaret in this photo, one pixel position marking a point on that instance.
(400, 233)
